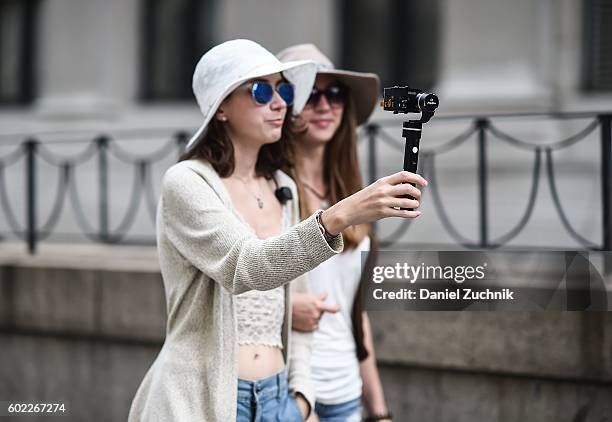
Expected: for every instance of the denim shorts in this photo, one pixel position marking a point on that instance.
(267, 400)
(349, 411)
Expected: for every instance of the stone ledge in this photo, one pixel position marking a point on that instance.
(118, 304)
(420, 394)
(540, 344)
(86, 256)
(130, 306)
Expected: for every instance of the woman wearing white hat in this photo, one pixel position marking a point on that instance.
(228, 246)
(326, 170)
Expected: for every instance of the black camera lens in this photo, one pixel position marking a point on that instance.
(428, 102)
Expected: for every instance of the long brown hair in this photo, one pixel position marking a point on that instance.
(215, 146)
(341, 170)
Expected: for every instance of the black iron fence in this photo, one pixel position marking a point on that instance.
(483, 130)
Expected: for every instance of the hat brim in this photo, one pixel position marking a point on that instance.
(301, 73)
(364, 87)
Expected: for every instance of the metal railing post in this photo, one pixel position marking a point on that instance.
(102, 143)
(482, 125)
(605, 120)
(181, 140)
(30, 169)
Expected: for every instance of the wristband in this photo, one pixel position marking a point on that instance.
(327, 235)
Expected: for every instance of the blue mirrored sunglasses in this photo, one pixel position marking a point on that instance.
(262, 92)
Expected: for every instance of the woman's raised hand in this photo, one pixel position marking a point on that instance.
(381, 199)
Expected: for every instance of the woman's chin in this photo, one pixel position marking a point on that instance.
(274, 136)
(321, 135)
(271, 139)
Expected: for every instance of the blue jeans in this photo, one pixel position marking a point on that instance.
(267, 400)
(349, 411)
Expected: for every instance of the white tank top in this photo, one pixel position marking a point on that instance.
(335, 367)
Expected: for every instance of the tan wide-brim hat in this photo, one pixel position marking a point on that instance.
(364, 87)
(225, 67)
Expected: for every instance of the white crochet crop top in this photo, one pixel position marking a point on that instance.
(260, 317)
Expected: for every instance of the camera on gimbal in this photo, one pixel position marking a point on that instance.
(402, 99)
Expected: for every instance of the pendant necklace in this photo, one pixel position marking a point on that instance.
(257, 197)
(323, 202)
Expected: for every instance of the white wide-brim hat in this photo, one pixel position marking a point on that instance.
(228, 65)
(364, 87)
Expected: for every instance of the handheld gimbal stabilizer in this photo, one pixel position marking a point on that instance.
(401, 99)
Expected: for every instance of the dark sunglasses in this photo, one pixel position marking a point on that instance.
(263, 92)
(335, 95)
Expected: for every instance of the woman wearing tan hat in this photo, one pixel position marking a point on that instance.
(326, 170)
(230, 240)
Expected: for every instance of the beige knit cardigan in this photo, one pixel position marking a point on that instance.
(207, 254)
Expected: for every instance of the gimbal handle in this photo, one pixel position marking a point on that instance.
(411, 132)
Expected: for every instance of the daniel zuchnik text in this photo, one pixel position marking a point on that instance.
(448, 294)
(424, 273)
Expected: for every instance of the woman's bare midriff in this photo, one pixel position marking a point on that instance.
(257, 361)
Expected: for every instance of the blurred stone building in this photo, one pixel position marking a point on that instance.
(90, 59)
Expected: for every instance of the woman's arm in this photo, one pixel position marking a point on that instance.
(373, 394)
(212, 238)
